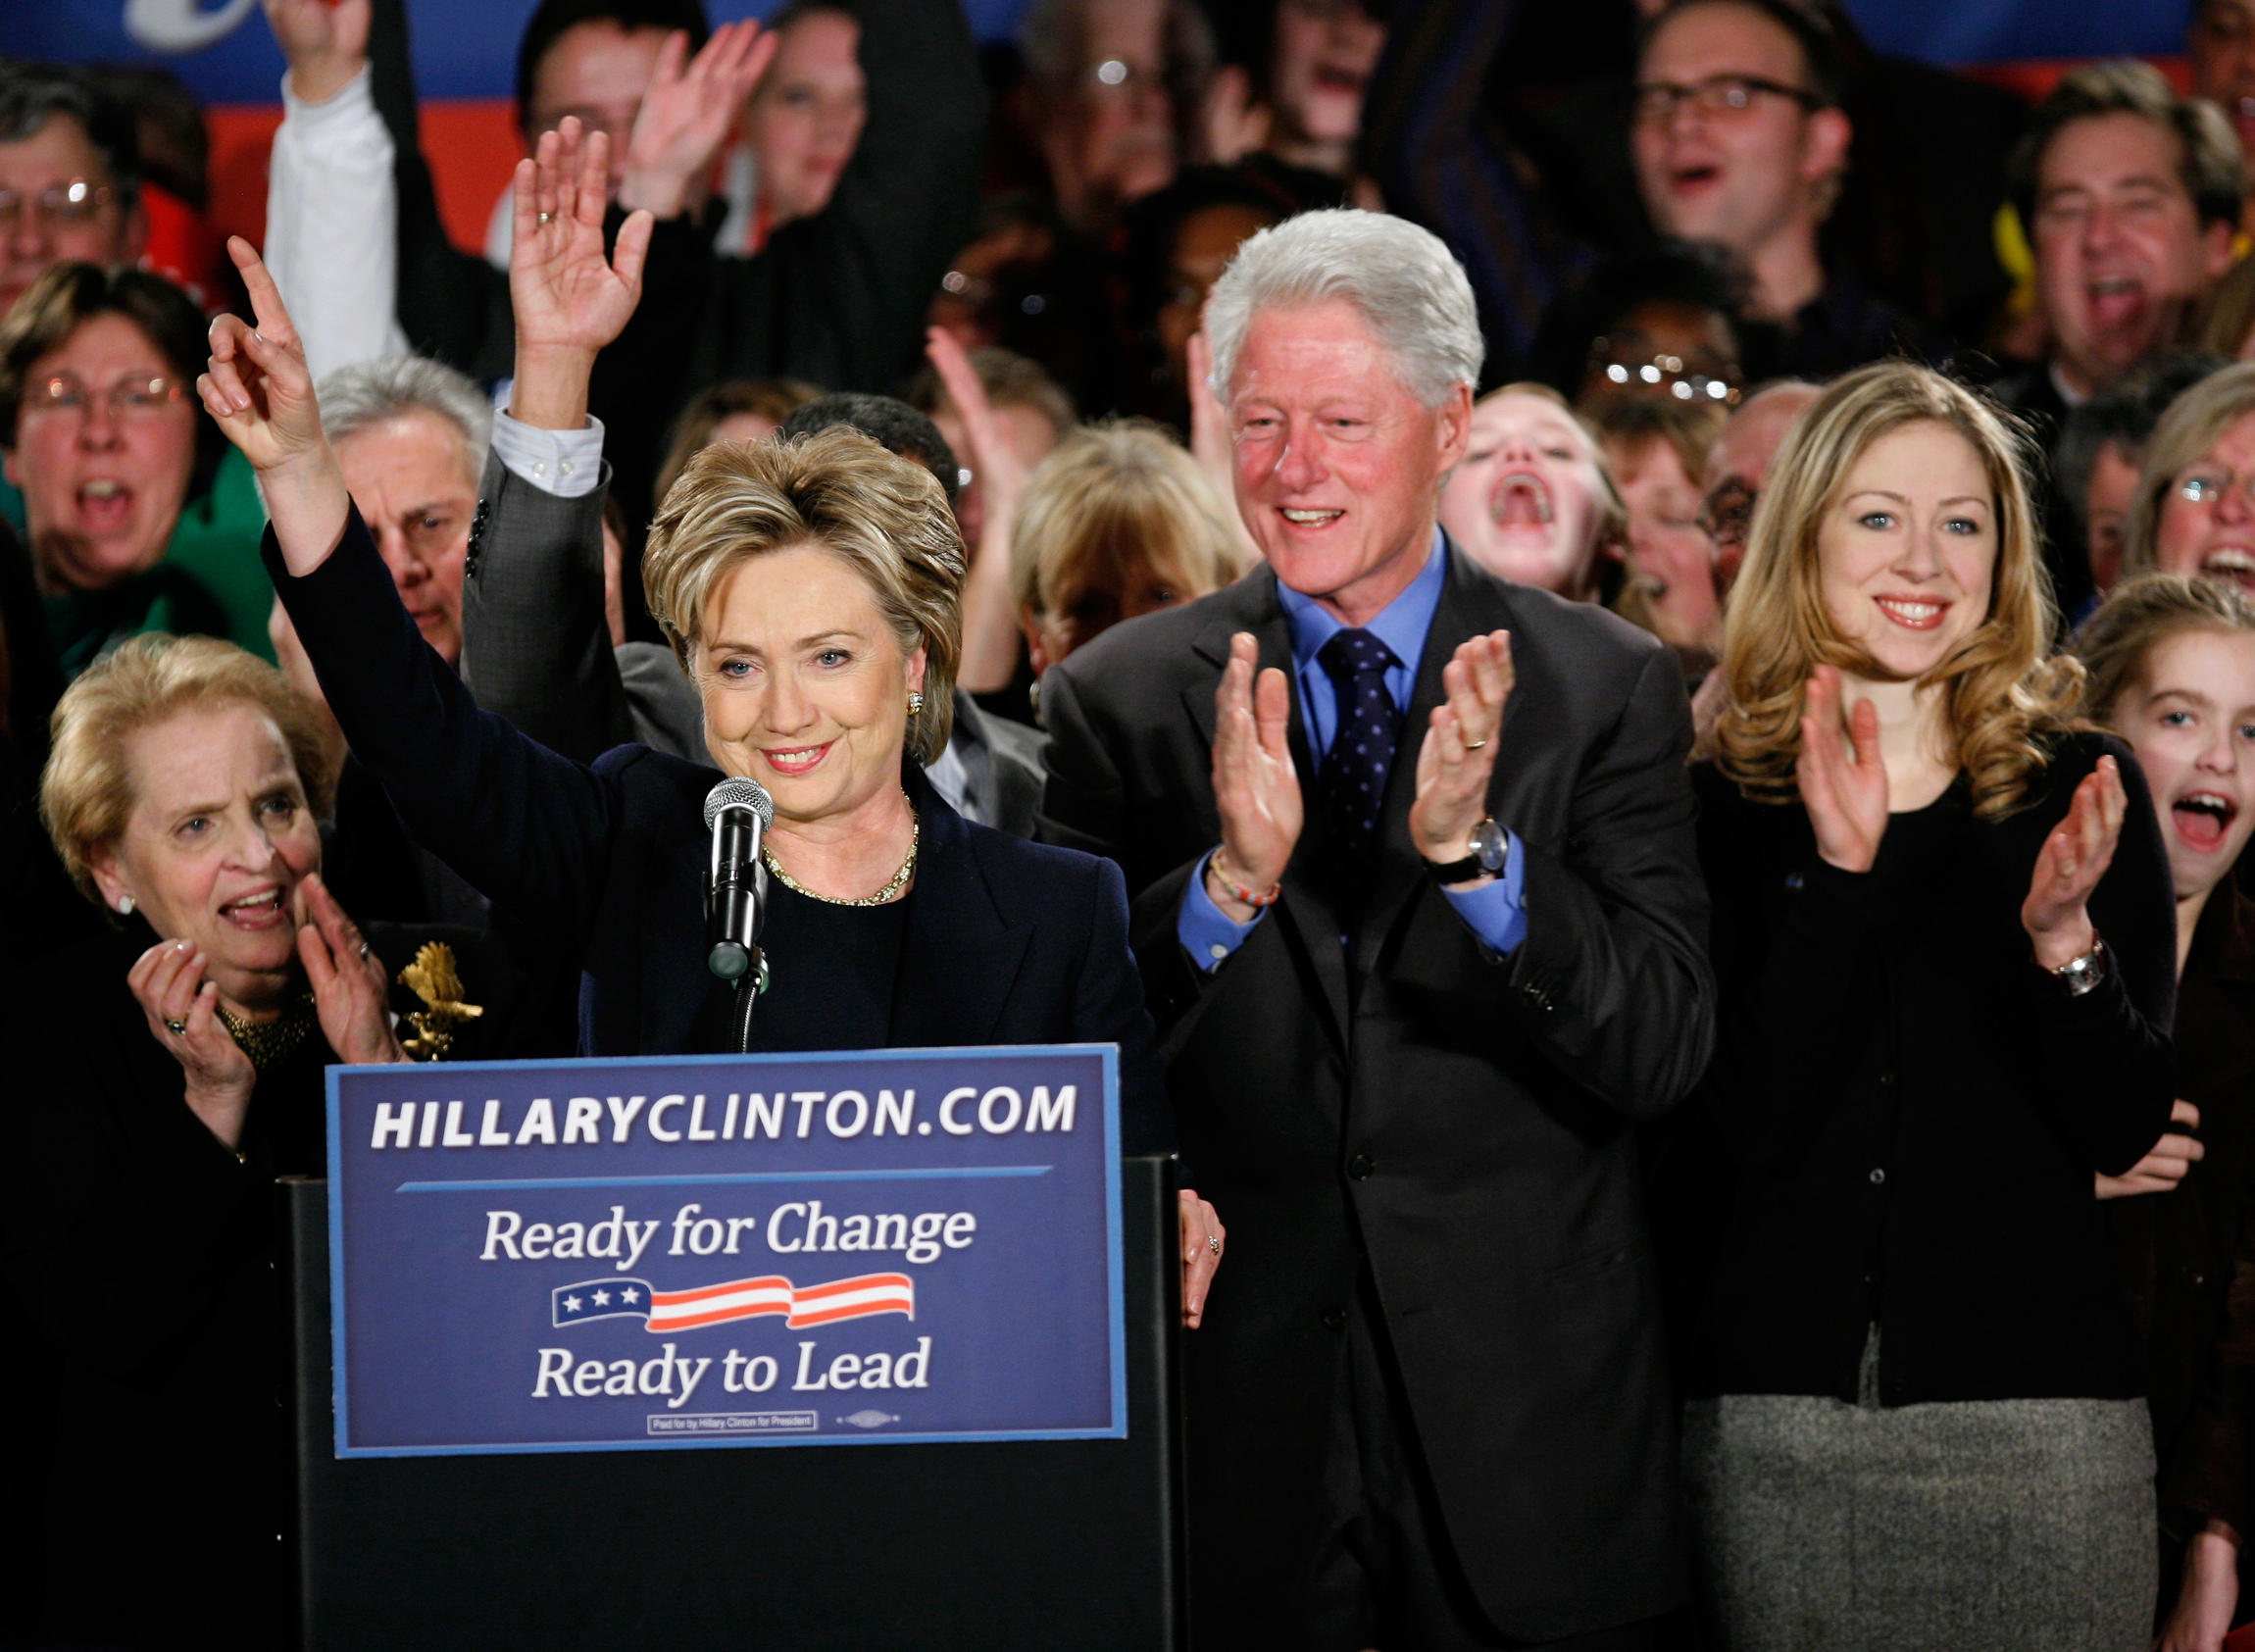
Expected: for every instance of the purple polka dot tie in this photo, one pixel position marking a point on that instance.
(1353, 780)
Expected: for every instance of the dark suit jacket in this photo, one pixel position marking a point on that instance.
(1462, 1122)
(1008, 942)
(2031, 394)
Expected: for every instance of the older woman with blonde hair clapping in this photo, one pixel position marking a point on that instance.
(157, 1080)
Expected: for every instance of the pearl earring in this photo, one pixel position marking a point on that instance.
(126, 905)
(915, 701)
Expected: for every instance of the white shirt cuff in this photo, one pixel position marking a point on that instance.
(566, 463)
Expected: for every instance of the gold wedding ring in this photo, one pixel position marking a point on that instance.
(545, 219)
(1474, 745)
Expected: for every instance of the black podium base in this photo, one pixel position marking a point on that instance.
(1072, 1543)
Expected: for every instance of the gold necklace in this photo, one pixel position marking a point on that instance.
(268, 1041)
(891, 890)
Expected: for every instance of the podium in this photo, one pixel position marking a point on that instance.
(1037, 1543)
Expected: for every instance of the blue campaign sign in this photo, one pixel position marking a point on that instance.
(664, 1252)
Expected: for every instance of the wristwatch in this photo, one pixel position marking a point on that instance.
(1486, 852)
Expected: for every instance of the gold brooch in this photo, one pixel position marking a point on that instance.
(435, 979)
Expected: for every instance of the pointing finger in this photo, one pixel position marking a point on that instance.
(266, 298)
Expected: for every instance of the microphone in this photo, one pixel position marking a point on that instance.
(739, 813)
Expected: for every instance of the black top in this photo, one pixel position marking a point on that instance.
(1912, 1110)
(143, 1250)
(833, 972)
(2177, 1250)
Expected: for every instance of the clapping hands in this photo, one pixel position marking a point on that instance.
(1844, 790)
(1458, 753)
(1256, 788)
(2074, 858)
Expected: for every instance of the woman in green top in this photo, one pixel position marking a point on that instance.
(131, 524)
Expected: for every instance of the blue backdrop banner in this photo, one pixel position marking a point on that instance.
(900, 1245)
(224, 49)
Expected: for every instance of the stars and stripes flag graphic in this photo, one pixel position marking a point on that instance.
(798, 1306)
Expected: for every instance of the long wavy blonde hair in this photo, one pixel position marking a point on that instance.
(2003, 692)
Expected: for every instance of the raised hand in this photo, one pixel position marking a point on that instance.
(324, 40)
(260, 395)
(1844, 791)
(994, 461)
(2161, 1169)
(686, 114)
(169, 983)
(1458, 753)
(989, 615)
(570, 300)
(1231, 121)
(258, 387)
(349, 981)
(2074, 858)
(1256, 788)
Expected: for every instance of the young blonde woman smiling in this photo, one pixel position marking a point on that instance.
(1945, 953)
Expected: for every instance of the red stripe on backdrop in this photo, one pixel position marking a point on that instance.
(2033, 80)
(471, 146)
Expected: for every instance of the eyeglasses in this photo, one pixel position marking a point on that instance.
(128, 398)
(60, 206)
(2206, 487)
(1685, 380)
(1727, 513)
(1719, 95)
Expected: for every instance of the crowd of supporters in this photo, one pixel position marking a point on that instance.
(1764, 324)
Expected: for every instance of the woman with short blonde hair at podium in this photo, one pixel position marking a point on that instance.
(812, 589)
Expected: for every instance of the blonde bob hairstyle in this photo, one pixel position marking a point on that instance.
(2002, 692)
(2141, 615)
(1112, 498)
(882, 516)
(87, 793)
(2194, 423)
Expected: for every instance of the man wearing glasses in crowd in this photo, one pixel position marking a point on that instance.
(68, 175)
(1740, 142)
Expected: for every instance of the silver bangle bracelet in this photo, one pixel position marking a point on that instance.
(2078, 976)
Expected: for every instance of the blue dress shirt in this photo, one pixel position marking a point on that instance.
(1496, 911)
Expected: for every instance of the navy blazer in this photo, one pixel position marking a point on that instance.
(1008, 942)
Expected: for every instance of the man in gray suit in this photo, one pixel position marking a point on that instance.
(1419, 913)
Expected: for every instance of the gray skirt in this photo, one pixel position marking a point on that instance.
(1990, 1524)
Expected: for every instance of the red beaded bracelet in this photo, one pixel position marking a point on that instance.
(1238, 892)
